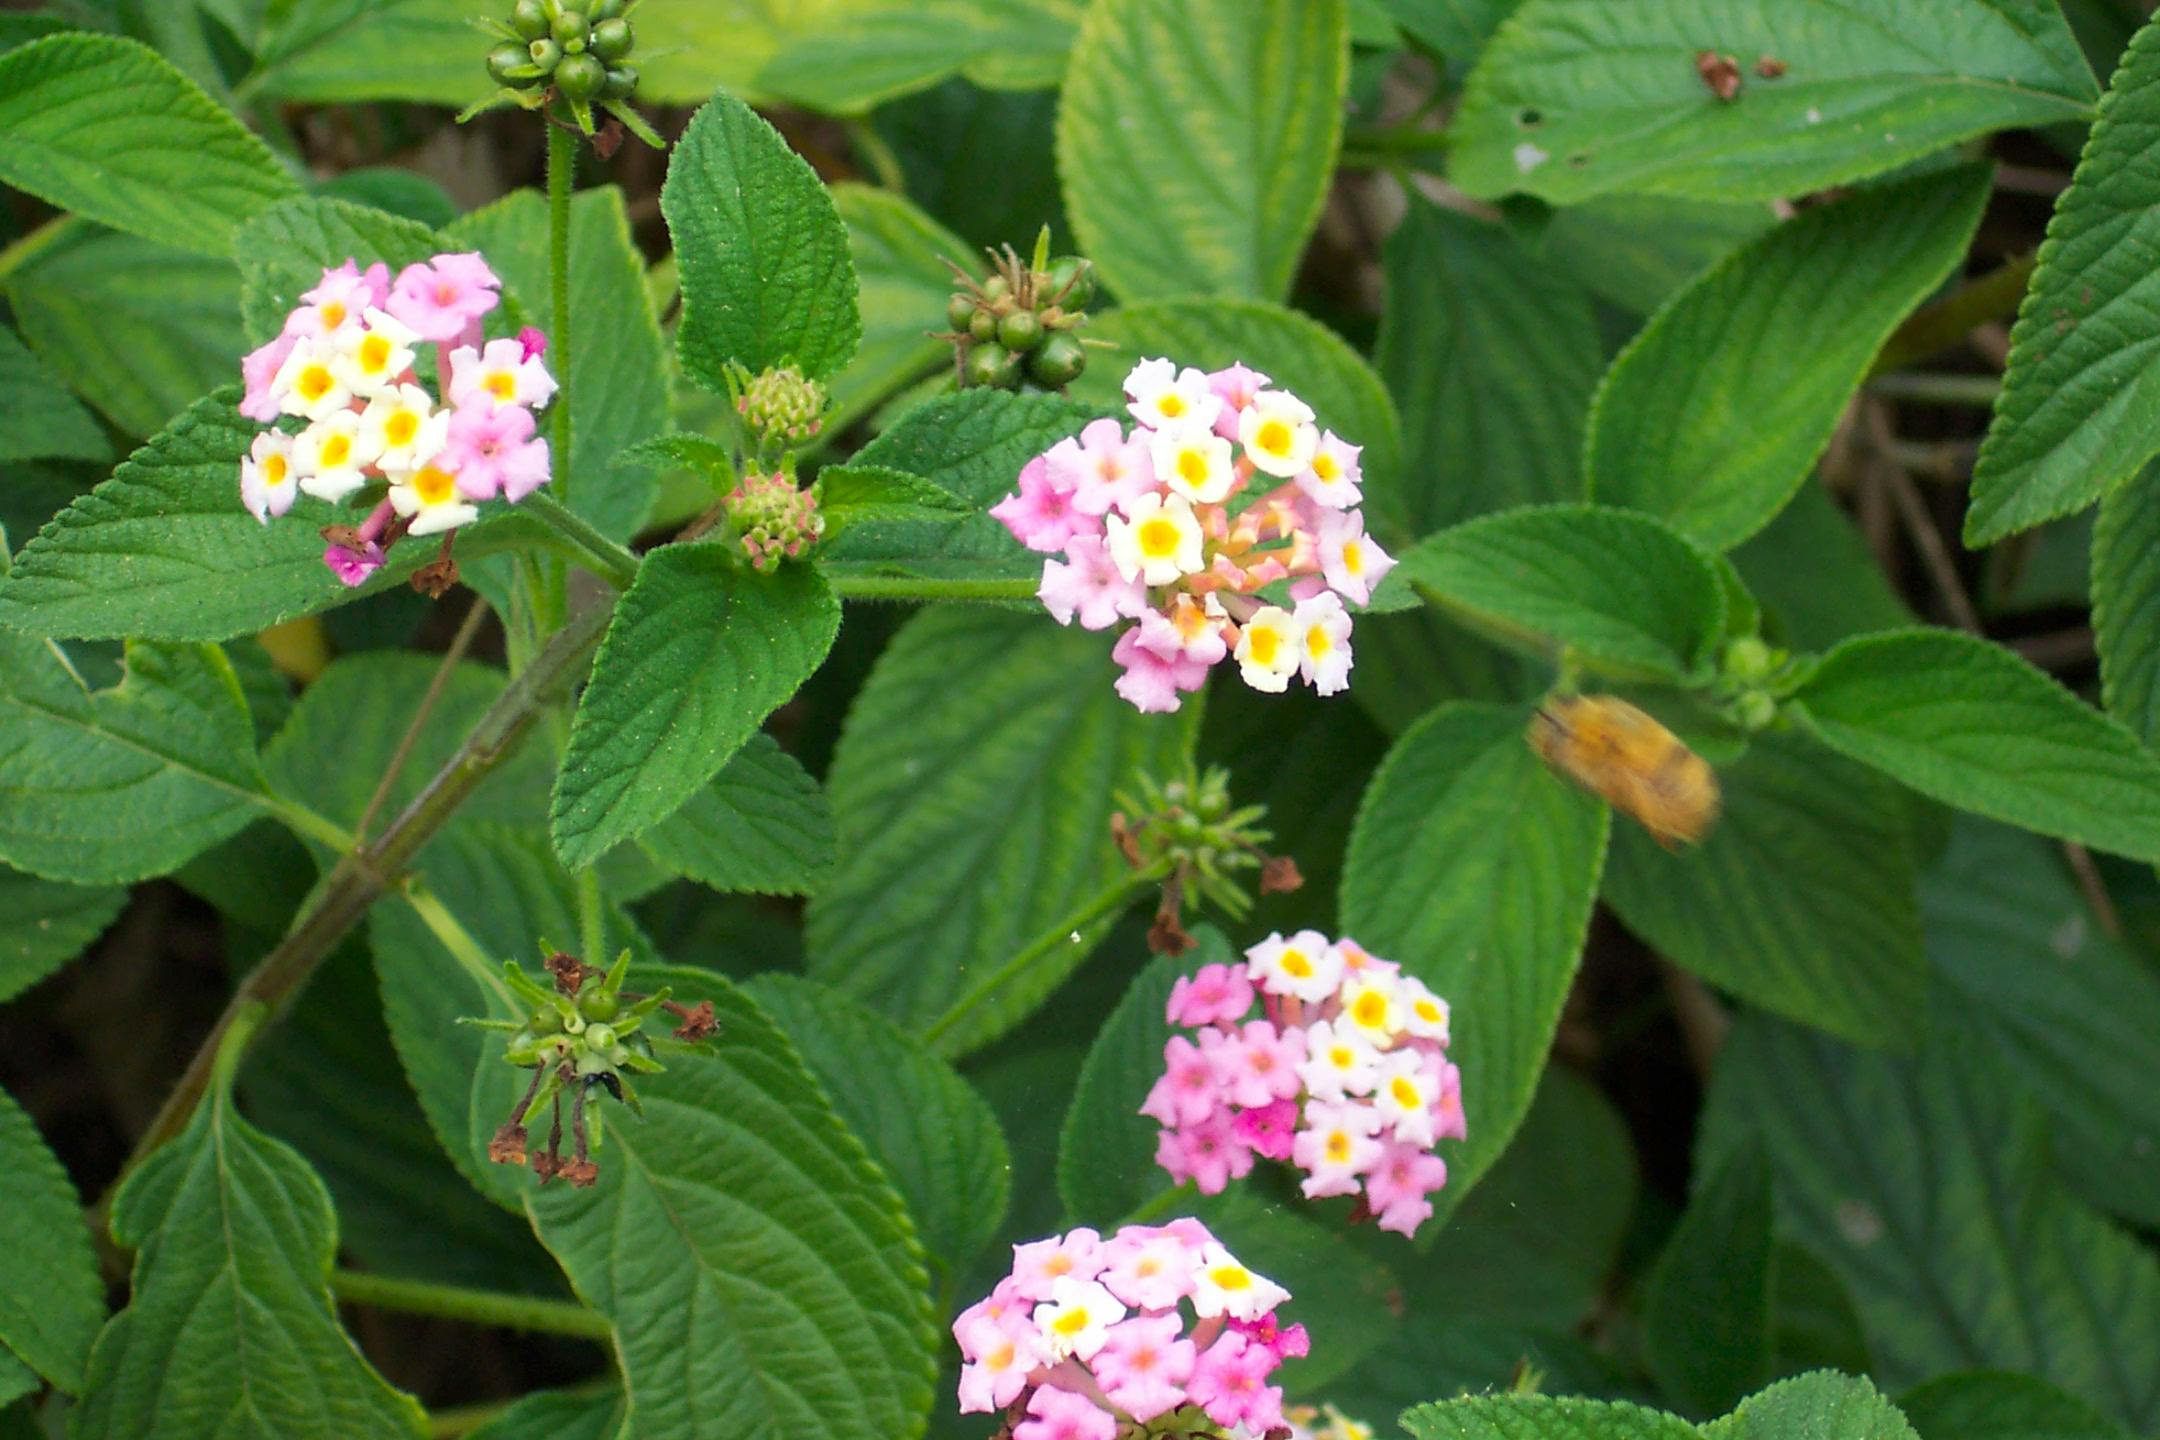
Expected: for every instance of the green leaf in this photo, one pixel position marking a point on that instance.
(139, 329)
(1836, 1407)
(558, 1415)
(1458, 29)
(1626, 592)
(741, 1211)
(974, 819)
(972, 446)
(1801, 898)
(1575, 98)
(1475, 868)
(873, 51)
(1197, 138)
(1296, 351)
(2076, 415)
(932, 1134)
(328, 51)
(163, 549)
(1717, 411)
(118, 785)
(1994, 1405)
(877, 494)
(1491, 353)
(43, 925)
(2126, 604)
(1816, 577)
(761, 826)
(1542, 1417)
(1634, 251)
(107, 128)
(52, 1299)
(1706, 1311)
(699, 652)
(283, 252)
(231, 1332)
(896, 250)
(1925, 1183)
(618, 380)
(2074, 1014)
(43, 421)
(766, 278)
(1974, 726)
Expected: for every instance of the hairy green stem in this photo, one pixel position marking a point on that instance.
(1121, 893)
(479, 1307)
(363, 875)
(43, 238)
(561, 167)
(897, 587)
(876, 155)
(613, 563)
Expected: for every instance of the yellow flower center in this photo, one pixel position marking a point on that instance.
(333, 314)
(1353, 557)
(502, 385)
(1342, 1057)
(1295, 965)
(336, 451)
(1171, 405)
(1273, 437)
(1002, 1357)
(434, 486)
(1058, 1265)
(374, 353)
(1158, 538)
(1266, 644)
(1370, 1009)
(1404, 1092)
(401, 428)
(1428, 1011)
(1317, 643)
(1192, 467)
(1338, 1147)
(1324, 466)
(1231, 1277)
(274, 469)
(314, 382)
(1072, 1322)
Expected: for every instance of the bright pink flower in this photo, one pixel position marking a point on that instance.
(444, 297)
(1290, 1344)
(1040, 514)
(501, 372)
(1062, 1415)
(492, 451)
(1258, 1065)
(1088, 584)
(352, 567)
(258, 368)
(1039, 1266)
(340, 300)
(1152, 684)
(1001, 1302)
(1000, 1356)
(1268, 1129)
(1230, 1383)
(533, 341)
(1449, 1123)
(1144, 1364)
(1148, 1267)
(1236, 387)
(1185, 1093)
(1101, 468)
(1213, 995)
(1397, 1185)
(1210, 1154)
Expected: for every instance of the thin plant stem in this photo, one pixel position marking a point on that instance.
(561, 168)
(460, 643)
(876, 155)
(613, 563)
(529, 1313)
(1116, 897)
(1977, 391)
(897, 587)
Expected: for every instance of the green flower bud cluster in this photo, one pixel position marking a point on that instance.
(1753, 677)
(1015, 327)
(1189, 831)
(577, 50)
(774, 518)
(781, 408)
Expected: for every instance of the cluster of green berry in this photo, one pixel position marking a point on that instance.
(576, 49)
(1016, 326)
(1189, 831)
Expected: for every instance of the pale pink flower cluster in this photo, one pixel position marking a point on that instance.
(1163, 525)
(1344, 1074)
(346, 365)
(1088, 1339)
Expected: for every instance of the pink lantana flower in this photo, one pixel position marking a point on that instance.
(1088, 586)
(1229, 1382)
(1152, 684)
(492, 451)
(1041, 515)
(504, 372)
(444, 298)
(1144, 1364)
(1212, 995)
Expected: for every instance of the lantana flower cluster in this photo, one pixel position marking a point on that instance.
(347, 363)
(1164, 525)
(1089, 1338)
(1344, 1074)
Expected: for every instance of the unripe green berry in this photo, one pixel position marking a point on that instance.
(1062, 273)
(611, 40)
(994, 366)
(529, 19)
(598, 1004)
(959, 312)
(571, 28)
(507, 64)
(546, 54)
(621, 83)
(1020, 330)
(1755, 711)
(1059, 362)
(600, 1037)
(983, 325)
(580, 77)
(995, 288)
(600, 10)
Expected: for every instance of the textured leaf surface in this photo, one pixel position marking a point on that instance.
(1542, 1417)
(1706, 1311)
(766, 278)
(1974, 726)
(1196, 140)
(556, 1415)
(2126, 604)
(1475, 868)
(1623, 589)
(974, 818)
(1926, 1184)
(700, 651)
(762, 826)
(1717, 411)
(932, 1134)
(2080, 404)
(230, 1333)
(1801, 898)
(43, 421)
(1294, 350)
(1575, 98)
(2074, 1014)
(45, 924)
(1840, 1407)
(107, 128)
(1491, 353)
(1995, 1405)
(52, 1299)
(118, 785)
(896, 250)
(283, 252)
(872, 51)
(759, 1269)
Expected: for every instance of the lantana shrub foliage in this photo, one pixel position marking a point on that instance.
(1085, 720)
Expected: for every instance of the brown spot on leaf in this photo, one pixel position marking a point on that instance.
(1720, 72)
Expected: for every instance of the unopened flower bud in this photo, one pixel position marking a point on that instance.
(774, 518)
(782, 408)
